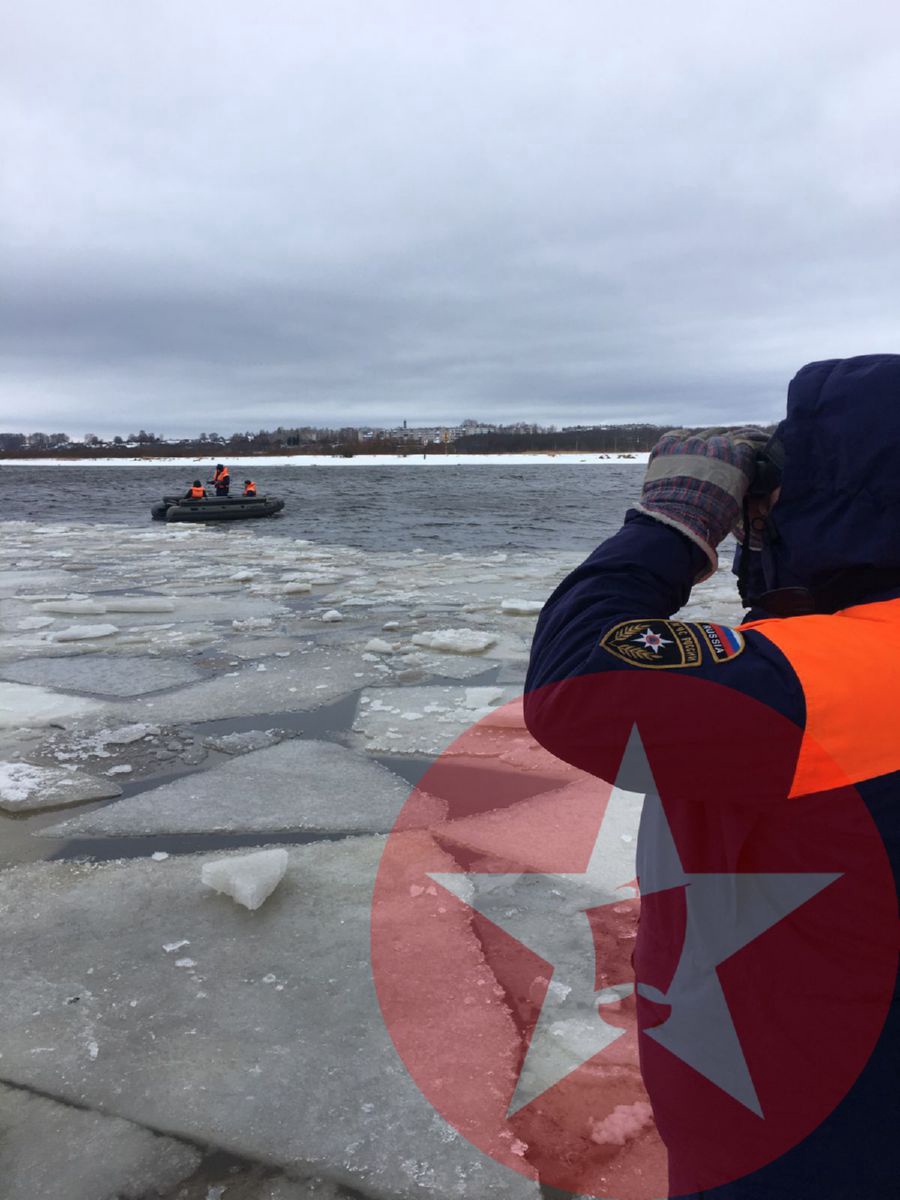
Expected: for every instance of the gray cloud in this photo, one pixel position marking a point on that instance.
(239, 216)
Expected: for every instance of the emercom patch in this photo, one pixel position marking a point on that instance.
(666, 645)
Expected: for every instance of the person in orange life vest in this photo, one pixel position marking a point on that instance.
(196, 492)
(249, 487)
(817, 656)
(221, 480)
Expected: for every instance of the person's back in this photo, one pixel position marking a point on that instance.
(766, 957)
(249, 487)
(196, 491)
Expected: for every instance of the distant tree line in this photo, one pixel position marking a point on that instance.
(469, 438)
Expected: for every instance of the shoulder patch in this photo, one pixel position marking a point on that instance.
(665, 645)
(723, 641)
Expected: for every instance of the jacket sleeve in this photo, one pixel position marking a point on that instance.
(644, 573)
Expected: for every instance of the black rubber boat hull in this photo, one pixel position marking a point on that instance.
(216, 508)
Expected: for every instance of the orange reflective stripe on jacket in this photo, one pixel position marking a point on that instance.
(197, 493)
(848, 664)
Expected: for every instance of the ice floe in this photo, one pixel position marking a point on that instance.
(305, 681)
(103, 675)
(83, 633)
(24, 706)
(24, 786)
(304, 1078)
(297, 786)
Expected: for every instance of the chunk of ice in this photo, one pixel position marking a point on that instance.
(72, 608)
(456, 641)
(83, 633)
(248, 879)
(521, 608)
(625, 1122)
(332, 615)
(243, 743)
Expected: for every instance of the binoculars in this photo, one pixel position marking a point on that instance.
(768, 466)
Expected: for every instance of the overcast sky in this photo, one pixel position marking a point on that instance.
(230, 214)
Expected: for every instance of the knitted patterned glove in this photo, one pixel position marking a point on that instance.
(697, 482)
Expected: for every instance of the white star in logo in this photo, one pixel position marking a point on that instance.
(653, 641)
(548, 914)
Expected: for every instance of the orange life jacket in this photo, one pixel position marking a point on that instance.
(854, 652)
(197, 493)
(249, 489)
(221, 476)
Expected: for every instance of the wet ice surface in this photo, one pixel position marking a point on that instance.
(300, 786)
(122, 675)
(43, 1154)
(258, 1032)
(204, 675)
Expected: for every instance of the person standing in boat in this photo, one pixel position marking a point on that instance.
(249, 487)
(221, 480)
(196, 491)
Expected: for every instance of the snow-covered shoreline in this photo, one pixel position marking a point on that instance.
(330, 460)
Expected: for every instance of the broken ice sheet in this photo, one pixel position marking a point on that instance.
(305, 681)
(298, 785)
(305, 1075)
(22, 706)
(53, 1151)
(120, 675)
(24, 787)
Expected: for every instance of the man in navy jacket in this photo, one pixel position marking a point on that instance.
(775, 751)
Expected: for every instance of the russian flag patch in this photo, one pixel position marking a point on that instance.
(723, 643)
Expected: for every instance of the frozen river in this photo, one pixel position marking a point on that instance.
(174, 695)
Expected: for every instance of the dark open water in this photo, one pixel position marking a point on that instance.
(442, 508)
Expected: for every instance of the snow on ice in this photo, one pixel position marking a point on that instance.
(24, 786)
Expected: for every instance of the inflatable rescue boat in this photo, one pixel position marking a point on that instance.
(215, 508)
